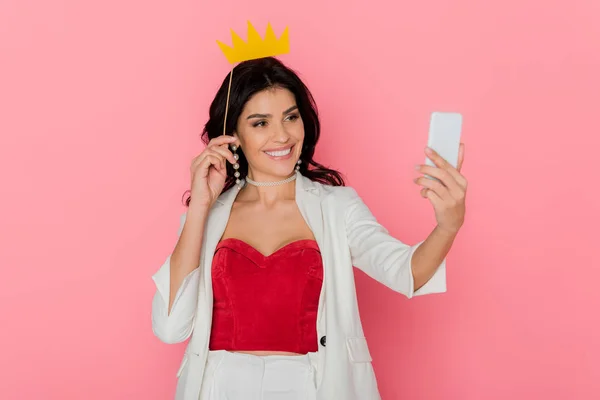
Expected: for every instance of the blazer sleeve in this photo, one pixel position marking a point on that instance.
(383, 257)
(176, 326)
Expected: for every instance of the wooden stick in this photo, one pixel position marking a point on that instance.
(227, 104)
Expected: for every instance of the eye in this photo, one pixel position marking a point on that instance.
(292, 117)
(259, 123)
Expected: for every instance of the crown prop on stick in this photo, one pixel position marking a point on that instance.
(255, 47)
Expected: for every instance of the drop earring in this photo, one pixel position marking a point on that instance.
(236, 166)
(298, 165)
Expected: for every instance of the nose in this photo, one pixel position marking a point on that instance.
(280, 134)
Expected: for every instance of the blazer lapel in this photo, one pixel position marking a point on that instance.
(308, 198)
(213, 231)
(215, 226)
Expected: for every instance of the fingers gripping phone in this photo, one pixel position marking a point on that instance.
(444, 137)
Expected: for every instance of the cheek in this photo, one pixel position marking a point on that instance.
(299, 131)
(250, 141)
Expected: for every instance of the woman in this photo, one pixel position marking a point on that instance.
(261, 277)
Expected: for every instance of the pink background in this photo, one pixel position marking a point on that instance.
(101, 106)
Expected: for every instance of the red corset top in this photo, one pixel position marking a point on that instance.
(266, 302)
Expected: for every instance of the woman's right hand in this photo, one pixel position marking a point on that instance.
(209, 171)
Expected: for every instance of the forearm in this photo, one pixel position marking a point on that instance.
(430, 254)
(186, 255)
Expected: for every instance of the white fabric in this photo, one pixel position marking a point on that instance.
(348, 234)
(237, 376)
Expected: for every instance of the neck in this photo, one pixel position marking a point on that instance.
(268, 195)
(266, 178)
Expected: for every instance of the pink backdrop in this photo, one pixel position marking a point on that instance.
(101, 104)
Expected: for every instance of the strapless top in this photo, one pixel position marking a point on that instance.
(263, 302)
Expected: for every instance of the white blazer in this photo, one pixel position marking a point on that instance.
(348, 235)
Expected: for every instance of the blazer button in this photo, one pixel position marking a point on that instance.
(323, 340)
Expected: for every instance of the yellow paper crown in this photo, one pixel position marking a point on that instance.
(255, 47)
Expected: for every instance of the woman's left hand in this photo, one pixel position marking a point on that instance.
(446, 195)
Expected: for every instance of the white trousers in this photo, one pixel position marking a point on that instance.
(233, 376)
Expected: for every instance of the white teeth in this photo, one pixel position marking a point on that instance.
(280, 153)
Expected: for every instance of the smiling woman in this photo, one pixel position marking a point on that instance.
(261, 276)
(273, 140)
(266, 95)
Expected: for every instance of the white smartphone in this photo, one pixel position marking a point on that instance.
(444, 136)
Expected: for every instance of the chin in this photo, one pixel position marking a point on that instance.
(284, 172)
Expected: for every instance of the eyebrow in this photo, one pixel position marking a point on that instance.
(289, 110)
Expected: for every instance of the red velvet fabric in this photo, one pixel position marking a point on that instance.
(266, 302)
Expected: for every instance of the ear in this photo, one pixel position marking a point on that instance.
(237, 137)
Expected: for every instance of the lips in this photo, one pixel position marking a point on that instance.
(279, 153)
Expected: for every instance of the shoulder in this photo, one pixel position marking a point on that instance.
(342, 196)
(346, 201)
(339, 192)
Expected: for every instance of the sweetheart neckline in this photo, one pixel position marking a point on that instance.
(292, 243)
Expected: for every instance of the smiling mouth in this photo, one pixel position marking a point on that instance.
(279, 153)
